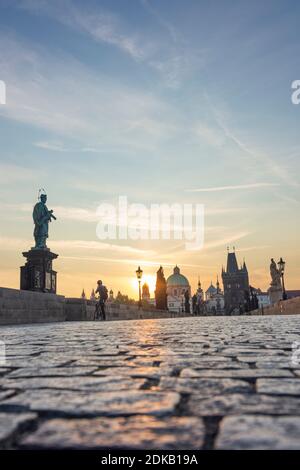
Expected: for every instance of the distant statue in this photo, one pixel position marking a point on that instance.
(161, 290)
(41, 218)
(187, 302)
(275, 274)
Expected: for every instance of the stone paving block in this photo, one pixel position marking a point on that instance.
(271, 364)
(236, 373)
(95, 403)
(279, 386)
(50, 372)
(11, 422)
(137, 432)
(35, 362)
(205, 363)
(240, 403)
(259, 432)
(148, 372)
(252, 352)
(5, 394)
(204, 387)
(98, 384)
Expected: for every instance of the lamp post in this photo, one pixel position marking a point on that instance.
(139, 273)
(281, 265)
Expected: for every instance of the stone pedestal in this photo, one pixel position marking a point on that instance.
(37, 274)
(275, 294)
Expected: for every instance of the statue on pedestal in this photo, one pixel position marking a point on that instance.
(37, 274)
(187, 302)
(275, 274)
(275, 290)
(161, 290)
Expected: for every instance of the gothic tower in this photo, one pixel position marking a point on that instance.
(236, 285)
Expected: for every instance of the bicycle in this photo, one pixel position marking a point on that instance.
(99, 313)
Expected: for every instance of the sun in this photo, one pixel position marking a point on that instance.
(150, 279)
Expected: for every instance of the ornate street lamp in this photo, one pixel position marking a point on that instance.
(139, 273)
(281, 266)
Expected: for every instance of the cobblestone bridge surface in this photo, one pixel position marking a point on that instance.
(187, 383)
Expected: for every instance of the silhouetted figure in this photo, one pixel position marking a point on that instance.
(194, 305)
(161, 290)
(187, 302)
(41, 218)
(103, 295)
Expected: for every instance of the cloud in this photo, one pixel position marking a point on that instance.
(10, 243)
(53, 146)
(210, 135)
(101, 25)
(10, 173)
(266, 162)
(173, 61)
(78, 103)
(234, 187)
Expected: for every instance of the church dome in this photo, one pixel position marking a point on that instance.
(177, 279)
(211, 289)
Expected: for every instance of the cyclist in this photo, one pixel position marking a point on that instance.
(103, 295)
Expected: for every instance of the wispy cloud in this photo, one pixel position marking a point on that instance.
(56, 146)
(233, 187)
(10, 173)
(173, 61)
(78, 104)
(10, 243)
(209, 134)
(100, 24)
(266, 162)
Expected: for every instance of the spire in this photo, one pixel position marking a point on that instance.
(83, 296)
(176, 270)
(232, 266)
(93, 296)
(218, 284)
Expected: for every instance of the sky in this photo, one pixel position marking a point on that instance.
(186, 101)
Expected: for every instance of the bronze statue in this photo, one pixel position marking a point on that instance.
(41, 218)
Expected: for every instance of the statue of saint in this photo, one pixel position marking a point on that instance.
(187, 302)
(41, 218)
(161, 290)
(275, 274)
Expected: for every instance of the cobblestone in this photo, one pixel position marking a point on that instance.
(143, 432)
(152, 384)
(259, 432)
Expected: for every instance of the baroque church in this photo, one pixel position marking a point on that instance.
(177, 285)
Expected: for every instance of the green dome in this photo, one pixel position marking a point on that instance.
(177, 279)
